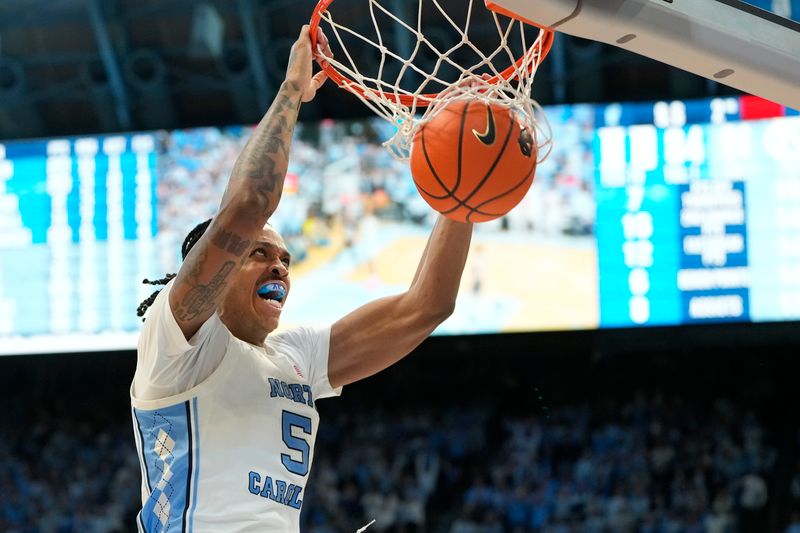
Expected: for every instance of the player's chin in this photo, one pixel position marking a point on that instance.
(268, 315)
(270, 324)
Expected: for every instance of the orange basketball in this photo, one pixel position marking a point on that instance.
(473, 162)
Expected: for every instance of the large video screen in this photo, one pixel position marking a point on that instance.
(644, 214)
(789, 9)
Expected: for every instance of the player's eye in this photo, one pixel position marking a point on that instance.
(259, 252)
(286, 261)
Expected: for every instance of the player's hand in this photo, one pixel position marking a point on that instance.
(300, 68)
(323, 51)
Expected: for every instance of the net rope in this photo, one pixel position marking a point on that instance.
(409, 109)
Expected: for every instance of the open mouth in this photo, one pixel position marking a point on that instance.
(272, 292)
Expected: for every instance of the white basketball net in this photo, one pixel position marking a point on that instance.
(384, 96)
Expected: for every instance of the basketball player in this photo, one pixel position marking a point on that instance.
(224, 410)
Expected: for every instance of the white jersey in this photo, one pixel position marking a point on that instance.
(224, 429)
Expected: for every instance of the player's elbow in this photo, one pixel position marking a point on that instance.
(446, 311)
(251, 199)
(438, 313)
(428, 310)
(246, 198)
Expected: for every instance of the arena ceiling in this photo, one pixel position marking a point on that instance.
(92, 66)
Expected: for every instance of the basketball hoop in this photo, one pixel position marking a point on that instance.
(402, 89)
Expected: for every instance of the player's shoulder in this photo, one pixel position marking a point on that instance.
(161, 330)
(160, 309)
(300, 337)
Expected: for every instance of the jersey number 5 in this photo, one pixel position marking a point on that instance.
(298, 444)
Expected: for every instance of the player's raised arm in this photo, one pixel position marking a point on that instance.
(252, 195)
(382, 332)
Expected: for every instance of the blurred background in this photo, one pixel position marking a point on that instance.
(624, 350)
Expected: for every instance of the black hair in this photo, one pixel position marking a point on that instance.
(190, 240)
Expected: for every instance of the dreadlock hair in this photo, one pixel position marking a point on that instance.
(190, 240)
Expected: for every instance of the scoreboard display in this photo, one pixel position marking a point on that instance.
(78, 223)
(656, 214)
(698, 213)
(699, 223)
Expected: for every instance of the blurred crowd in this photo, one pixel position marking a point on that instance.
(652, 465)
(64, 473)
(649, 466)
(339, 174)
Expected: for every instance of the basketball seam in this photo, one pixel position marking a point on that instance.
(486, 177)
(461, 147)
(423, 191)
(494, 164)
(504, 193)
(450, 194)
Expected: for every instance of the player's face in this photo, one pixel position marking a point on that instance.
(253, 305)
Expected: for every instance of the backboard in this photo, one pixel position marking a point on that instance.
(733, 42)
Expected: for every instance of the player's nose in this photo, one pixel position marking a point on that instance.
(279, 269)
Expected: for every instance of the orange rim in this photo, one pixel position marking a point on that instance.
(422, 100)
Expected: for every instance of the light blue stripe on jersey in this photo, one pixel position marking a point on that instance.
(167, 451)
(137, 434)
(196, 472)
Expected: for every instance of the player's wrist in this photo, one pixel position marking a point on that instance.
(292, 87)
(298, 71)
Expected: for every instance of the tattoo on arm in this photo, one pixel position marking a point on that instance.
(266, 157)
(202, 297)
(230, 242)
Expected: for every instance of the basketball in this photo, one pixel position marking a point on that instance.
(473, 162)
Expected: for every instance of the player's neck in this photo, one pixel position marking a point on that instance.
(255, 335)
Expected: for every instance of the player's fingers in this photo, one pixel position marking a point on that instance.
(323, 46)
(322, 59)
(323, 56)
(319, 79)
(316, 82)
(304, 39)
(469, 82)
(322, 39)
(485, 76)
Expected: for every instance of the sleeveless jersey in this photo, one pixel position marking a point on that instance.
(224, 429)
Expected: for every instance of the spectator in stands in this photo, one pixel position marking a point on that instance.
(63, 476)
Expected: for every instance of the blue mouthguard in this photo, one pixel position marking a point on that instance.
(273, 291)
